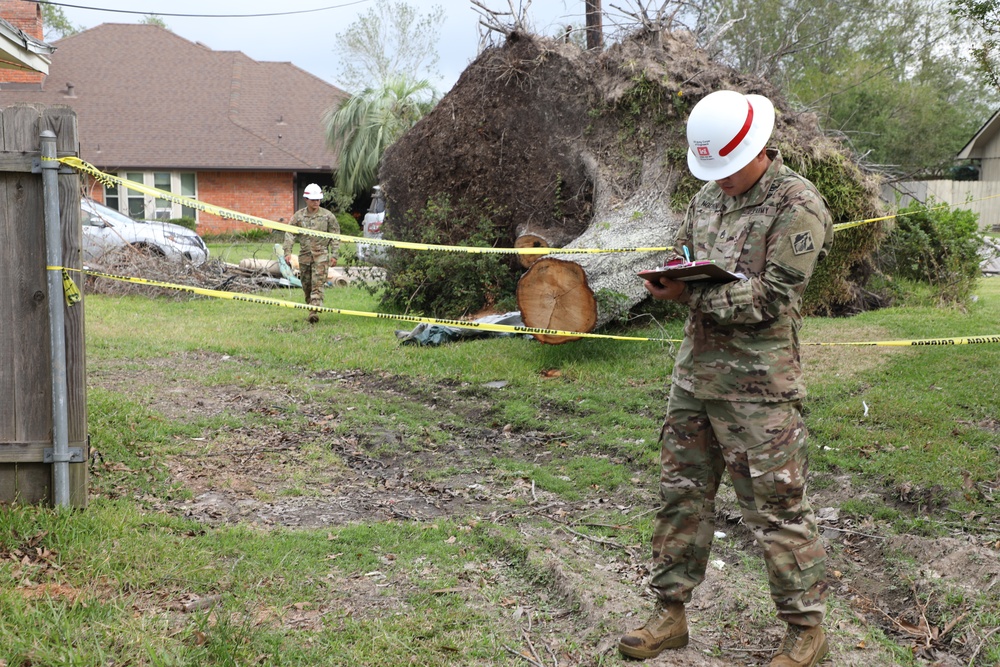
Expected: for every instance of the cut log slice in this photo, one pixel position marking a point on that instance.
(530, 241)
(554, 294)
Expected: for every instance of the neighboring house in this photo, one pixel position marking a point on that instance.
(984, 148)
(981, 196)
(215, 125)
(21, 51)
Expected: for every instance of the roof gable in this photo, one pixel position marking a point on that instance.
(147, 98)
(981, 139)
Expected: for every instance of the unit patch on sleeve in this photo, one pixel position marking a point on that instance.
(803, 243)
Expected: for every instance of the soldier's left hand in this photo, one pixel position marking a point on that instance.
(665, 289)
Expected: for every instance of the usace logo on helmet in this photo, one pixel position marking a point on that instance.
(725, 131)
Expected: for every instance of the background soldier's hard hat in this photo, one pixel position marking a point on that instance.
(725, 131)
(313, 191)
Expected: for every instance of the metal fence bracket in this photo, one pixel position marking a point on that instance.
(75, 455)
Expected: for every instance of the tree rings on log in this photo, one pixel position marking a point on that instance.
(554, 294)
(529, 241)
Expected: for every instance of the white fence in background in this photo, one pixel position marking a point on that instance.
(982, 197)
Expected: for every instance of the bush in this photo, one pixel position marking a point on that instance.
(253, 235)
(838, 285)
(447, 284)
(348, 225)
(186, 221)
(937, 246)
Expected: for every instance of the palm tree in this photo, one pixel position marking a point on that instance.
(369, 122)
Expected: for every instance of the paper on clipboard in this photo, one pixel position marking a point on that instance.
(704, 270)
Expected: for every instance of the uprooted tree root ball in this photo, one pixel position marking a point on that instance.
(556, 145)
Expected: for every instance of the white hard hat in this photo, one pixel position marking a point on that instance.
(725, 131)
(312, 191)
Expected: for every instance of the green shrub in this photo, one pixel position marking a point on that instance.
(348, 225)
(937, 246)
(186, 221)
(254, 235)
(447, 284)
(837, 286)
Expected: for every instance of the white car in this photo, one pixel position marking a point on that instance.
(105, 230)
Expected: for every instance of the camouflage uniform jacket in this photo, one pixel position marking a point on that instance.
(741, 339)
(312, 246)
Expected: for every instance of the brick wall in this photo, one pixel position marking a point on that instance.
(269, 195)
(26, 16)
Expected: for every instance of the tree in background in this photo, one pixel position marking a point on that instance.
(153, 19)
(984, 15)
(391, 41)
(369, 122)
(56, 24)
(889, 75)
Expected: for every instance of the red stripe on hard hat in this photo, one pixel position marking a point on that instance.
(741, 135)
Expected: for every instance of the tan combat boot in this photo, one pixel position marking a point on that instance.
(313, 317)
(802, 647)
(666, 629)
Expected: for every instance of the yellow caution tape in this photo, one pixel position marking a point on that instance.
(960, 340)
(71, 293)
(109, 180)
(483, 326)
(250, 298)
(70, 290)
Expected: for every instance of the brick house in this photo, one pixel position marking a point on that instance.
(174, 114)
(21, 51)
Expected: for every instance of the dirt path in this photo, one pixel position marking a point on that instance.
(263, 476)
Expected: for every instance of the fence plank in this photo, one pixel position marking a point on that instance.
(25, 211)
(7, 326)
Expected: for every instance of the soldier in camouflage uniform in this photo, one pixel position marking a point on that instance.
(316, 253)
(737, 382)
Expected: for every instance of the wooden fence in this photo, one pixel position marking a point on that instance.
(982, 197)
(26, 423)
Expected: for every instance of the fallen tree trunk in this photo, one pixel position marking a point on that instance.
(583, 292)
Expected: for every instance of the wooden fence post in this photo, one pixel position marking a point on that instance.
(25, 365)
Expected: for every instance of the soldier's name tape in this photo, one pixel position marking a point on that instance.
(482, 326)
(111, 180)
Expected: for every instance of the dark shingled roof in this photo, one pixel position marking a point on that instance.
(146, 98)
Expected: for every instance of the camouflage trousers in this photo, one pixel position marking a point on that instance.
(763, 446)
(313, 272)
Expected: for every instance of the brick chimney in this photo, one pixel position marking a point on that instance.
(26, 16)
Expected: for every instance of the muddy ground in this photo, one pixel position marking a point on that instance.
(265, 476)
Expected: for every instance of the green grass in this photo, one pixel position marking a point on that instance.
(932, 415)
(96, 609)
(928, 446)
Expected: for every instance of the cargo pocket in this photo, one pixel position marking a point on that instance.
(777, 473)
(793, 570)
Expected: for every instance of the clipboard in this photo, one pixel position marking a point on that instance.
(705, 270)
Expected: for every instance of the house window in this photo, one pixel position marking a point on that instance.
(136, 202)
(143, 207)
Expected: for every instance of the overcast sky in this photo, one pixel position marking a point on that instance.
(306, 40)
